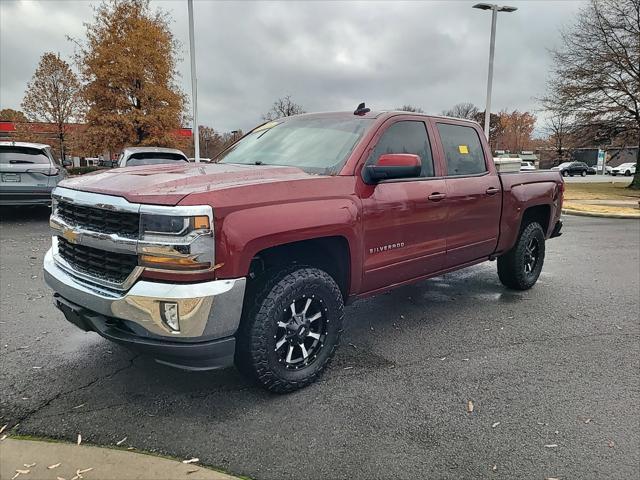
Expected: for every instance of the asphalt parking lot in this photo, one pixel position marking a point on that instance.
(553, 374)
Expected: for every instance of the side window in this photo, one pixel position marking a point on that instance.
(406, 137)
(462, 150)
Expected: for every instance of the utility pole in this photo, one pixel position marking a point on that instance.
(194, 85)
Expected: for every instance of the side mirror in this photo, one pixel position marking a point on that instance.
(392, 165)
(67, 163)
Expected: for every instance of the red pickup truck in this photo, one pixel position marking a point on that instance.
(250, 260)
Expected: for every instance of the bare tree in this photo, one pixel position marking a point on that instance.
(53, 95)
(462, 110)
(596, 74)
(283, 107)
(558, 127)
(410, 108)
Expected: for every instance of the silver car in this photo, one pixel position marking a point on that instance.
(134, 156)
(28, 173)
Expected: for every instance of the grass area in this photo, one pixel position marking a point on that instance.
(577, 196)
(604, 209)
(599, 191)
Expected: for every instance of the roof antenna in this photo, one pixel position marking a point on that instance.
(361, 110)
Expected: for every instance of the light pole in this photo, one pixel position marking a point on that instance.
(194, 84)
(494, 16)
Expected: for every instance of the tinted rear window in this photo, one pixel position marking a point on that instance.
(153, 158)
(23, 155)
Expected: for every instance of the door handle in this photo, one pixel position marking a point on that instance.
(436, 197)
(492, 190)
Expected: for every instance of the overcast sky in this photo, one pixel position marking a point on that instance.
(326, 55)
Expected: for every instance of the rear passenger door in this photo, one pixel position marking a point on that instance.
(403, 219)
(473, 194)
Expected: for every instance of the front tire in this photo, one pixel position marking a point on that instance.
(627, 173)
(289, 335)
(565, 173)
(584, 173)
(520, 267)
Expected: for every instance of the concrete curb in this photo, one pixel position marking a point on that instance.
(580, 213)
(52, 460)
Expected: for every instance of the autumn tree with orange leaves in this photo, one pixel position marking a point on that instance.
(128, 67)
(53, 96)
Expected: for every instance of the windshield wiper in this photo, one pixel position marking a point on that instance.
(258, 162)
(21, 161)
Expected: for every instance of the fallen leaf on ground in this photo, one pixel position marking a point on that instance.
(79, 439)
(80, 406)
(80, 472)
(2, 437)
(551, 445)
(587, 420)
(494, 468)
(29, 465)
(495, 425)
(193, 471)
(191, 460)
(347, 368)
(352, 345)
(469, 406)
(552, 478)
(611, 444)
(2, 429)
(120, 442)
(55, 465)
(60, 478)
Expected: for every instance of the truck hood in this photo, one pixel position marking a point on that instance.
(168, 184)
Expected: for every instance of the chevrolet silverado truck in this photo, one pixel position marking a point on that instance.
(250, 260)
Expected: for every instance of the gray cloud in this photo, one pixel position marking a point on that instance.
(327, 55)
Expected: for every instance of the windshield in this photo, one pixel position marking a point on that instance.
(22, 155)
(154, 158)
(565, 164)
(315, 145)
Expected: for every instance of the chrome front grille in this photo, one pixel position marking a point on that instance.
(106, 266)
(101, 220)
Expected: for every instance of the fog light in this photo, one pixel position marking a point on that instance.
(170, 315)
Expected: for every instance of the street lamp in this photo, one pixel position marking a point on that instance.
(494, 15)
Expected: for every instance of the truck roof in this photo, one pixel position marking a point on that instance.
(383, 114)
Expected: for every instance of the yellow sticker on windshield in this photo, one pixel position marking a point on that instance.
(463, 149)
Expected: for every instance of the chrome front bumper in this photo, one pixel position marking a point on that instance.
(207, 310)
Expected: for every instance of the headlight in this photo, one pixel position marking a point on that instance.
(178, 243)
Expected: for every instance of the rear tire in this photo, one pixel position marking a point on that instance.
(565, 173)
(520, 267)
(584, 173)
(288, 336)
(627, 173)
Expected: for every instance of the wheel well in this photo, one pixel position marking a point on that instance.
(330, 254)
(540, 214)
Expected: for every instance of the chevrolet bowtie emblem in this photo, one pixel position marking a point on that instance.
(70, 235)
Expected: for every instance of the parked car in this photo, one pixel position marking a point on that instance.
(527, 166)
(28, 173)
(592, 170)
(627, 169)
(135, 156)
(607, 170)
(572, 168)
(251, 260)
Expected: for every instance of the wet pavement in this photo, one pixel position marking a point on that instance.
(553, 375)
